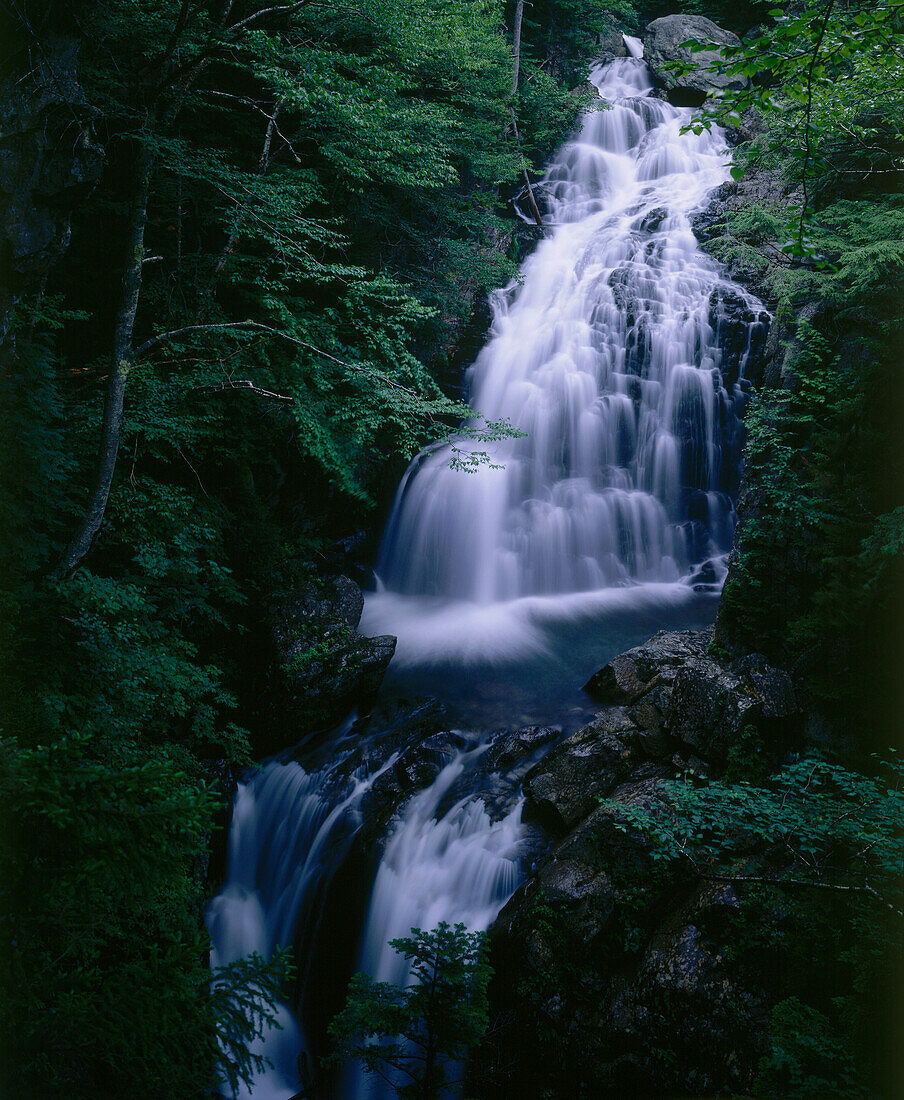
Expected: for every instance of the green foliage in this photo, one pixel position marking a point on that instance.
(821, 821)
(111, 842)
(747, 758)
(815, 854)
(818, 578)
(413, 1037)
(807, 1056)
(815, 850)
(828, 83)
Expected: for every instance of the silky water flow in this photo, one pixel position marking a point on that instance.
(620, 355)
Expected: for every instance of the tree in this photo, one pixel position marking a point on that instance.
(413, 1037)
(228, 356)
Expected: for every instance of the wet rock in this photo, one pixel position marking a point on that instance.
(741, 331)
(617, 682)
(649, 715)
(618, 956)
(626, 677)
(707, 707)
(663, 46)
(512, 747)
(566, 785)
(772, 686)
(326, 668)
(686, 97)
(650, 222)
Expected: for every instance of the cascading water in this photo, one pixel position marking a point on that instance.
(290, 830)
(607, 355)
(446, 858)
(454, 864)
(610, 354)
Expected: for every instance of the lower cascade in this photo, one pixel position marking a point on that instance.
(621, 355)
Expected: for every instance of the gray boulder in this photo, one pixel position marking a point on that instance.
(663, 40)
(631, 675)
(672, 693)
(567, 783)
(708, 709)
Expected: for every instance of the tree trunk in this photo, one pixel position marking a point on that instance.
(120, 365)
(516, 44)
(516, 73)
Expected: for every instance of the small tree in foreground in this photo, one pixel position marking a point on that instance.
(413, 1037)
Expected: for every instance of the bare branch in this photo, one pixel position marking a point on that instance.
(806, 883)
(257, 326)
(279, 10)
(242, 384)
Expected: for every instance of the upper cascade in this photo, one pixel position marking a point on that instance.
(608, 354)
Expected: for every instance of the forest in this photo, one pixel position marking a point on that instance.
(247, 252)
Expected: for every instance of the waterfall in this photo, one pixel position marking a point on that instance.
(617, 354)
(290, 831)
(446, 858)
(608, 354)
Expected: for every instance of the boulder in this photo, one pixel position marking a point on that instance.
(507, 750)
(630, 675)
(649, 715)
(326, 668)
(663, 46)
(617, 682)
(567, 783)
(709, 707)
(771, 686)
(616, 969)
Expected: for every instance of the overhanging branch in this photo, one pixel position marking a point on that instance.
(243, 384)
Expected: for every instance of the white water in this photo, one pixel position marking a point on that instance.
(287, 838)
(445, 859)
(455, 865)
(605, 355)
